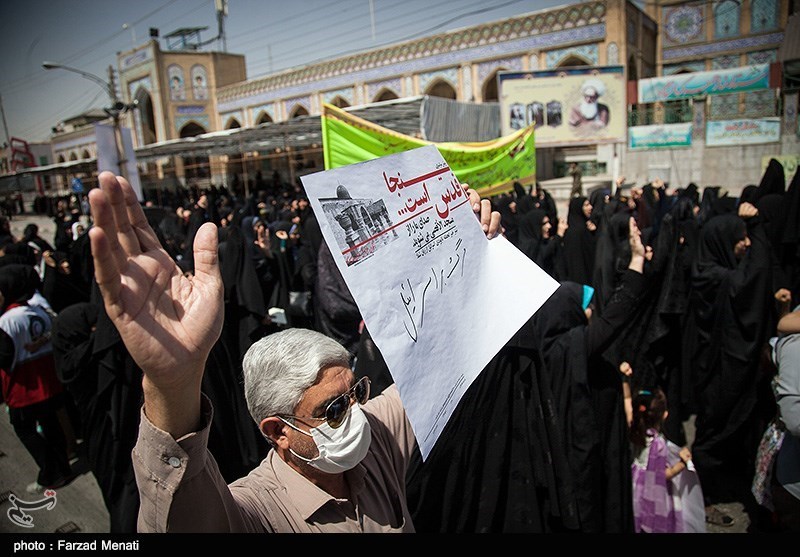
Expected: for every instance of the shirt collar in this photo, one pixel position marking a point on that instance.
(305, 495)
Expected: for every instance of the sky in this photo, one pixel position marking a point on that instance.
(273, 35)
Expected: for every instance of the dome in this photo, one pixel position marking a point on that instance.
(342, 193)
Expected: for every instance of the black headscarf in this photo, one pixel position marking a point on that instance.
(772, 181)
(31, 234)
(508, 218)
(546, 203)
(611, 256)
(716, 201)
(588, 398)
(597, 198)
(749, 194)
(18, 253)
(18, 282)
(62, 289)
(245, 307)
(530, 233)
(113, 387)
(730, 306)
(579, 245)
(500, 463)
(692, 193)
(525, 201)
(336, 312)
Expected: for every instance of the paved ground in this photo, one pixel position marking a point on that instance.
(78, 507)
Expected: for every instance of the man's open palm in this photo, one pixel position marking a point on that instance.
(167, 321)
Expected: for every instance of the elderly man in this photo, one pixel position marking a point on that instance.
(589, 113)
(339, 459)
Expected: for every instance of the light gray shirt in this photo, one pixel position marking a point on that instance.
(182, 490)
(786, 355)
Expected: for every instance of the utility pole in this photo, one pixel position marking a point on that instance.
(117, 107)
(122, 161)
(5, 124)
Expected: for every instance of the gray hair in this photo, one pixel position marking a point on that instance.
(280, 367)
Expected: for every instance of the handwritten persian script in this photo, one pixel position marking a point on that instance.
(439, 298)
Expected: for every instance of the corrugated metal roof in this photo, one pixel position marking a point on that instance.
(436, 119)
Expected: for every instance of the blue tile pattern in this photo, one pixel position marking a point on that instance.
(594, 32)
(586, 52)
(722, 46)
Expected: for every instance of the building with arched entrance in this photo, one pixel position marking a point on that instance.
(175, 94)
(188, 92)
(460, 65)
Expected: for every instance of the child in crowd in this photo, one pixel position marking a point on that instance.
(666, 492)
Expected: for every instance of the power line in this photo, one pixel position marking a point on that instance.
(389, 42)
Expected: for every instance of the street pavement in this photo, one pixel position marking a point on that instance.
(78, 506)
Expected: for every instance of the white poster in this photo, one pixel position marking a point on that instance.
(439, 298)
(108, 157)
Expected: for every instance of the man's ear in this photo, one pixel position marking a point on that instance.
(273, 429)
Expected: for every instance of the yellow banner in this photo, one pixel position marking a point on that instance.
(490, 167)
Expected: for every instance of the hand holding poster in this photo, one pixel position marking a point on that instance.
(424, 276)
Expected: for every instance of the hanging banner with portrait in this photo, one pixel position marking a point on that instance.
(567, 106)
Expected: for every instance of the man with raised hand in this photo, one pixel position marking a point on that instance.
(339, 457)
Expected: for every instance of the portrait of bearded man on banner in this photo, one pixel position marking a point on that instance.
(590, 114)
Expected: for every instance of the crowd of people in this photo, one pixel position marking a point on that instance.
(207, 358)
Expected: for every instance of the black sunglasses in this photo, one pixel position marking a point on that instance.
(336, 411)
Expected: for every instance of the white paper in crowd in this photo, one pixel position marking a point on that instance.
(437, 296)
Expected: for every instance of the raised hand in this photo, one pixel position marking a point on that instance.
(168, 322)
(747, 210)
(638, 251)
(490, 220)
(562, 227)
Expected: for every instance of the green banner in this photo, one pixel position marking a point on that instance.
(700, 84)
(490, 167)
(660, 136)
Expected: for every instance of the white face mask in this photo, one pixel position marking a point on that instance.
(342, 448)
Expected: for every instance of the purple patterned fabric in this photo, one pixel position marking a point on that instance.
(653, 504)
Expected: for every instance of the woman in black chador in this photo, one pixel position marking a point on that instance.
(577, 257)
(729, 307)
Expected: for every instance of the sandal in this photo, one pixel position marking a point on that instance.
(717, 517)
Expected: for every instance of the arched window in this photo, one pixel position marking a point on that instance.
(386, 95)
(298, 111)
(85, 155)
(572, 61)
(263, 118)
(340, 102)
(233, 123)
(489, 89)
(726, 19)
(194, 167)
(441, 89)
(763, 15)
(145, 117)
